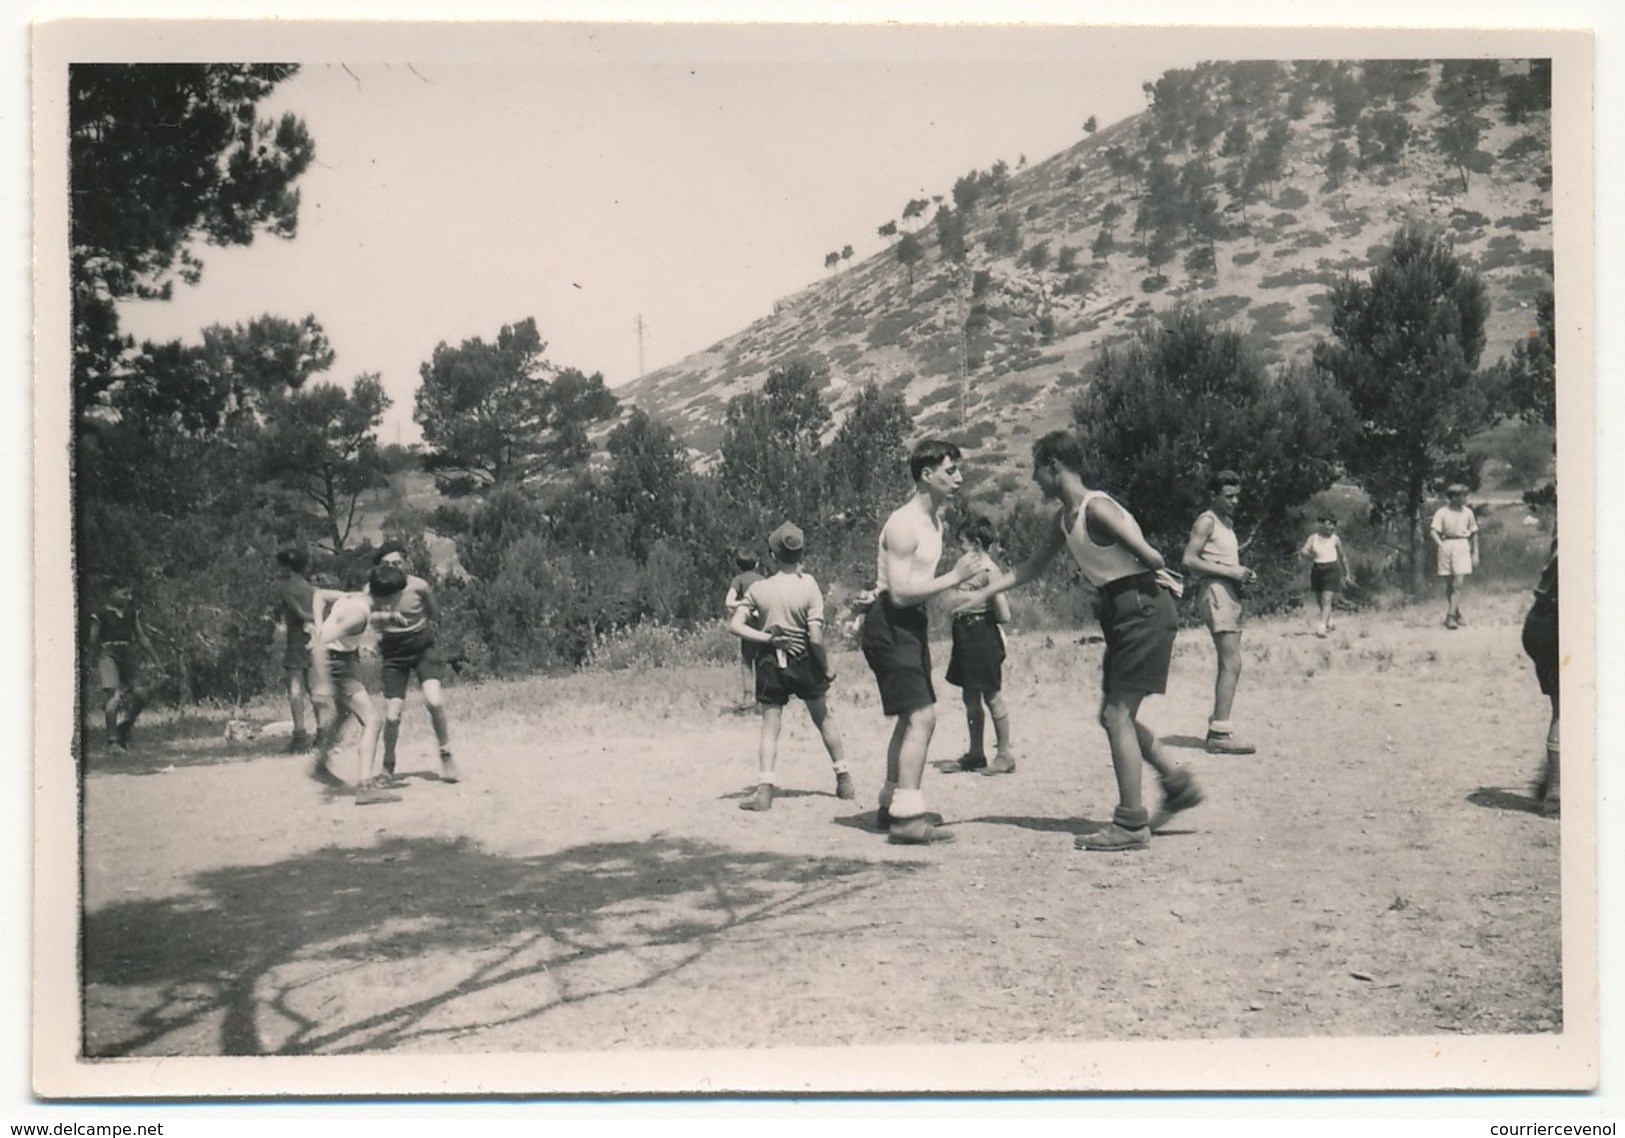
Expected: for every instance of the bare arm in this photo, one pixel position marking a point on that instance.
(1195, 562)
(739, 625)
(1110, 518)
(1027, 571)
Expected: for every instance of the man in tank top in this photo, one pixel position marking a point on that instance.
(895, 638)
(1214, 557)
(1135, 606)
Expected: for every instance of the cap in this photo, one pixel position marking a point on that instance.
(787, 539)
(1455, 488)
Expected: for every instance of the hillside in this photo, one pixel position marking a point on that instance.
(1232, 181)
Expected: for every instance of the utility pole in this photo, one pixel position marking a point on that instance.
(640, 345)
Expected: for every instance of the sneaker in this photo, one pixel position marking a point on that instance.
(1179, 792)
(298, 743)
(1452, 621)
(917, 831)
(374, 794)
(969, 762)
(1227, 744)
(1003, 764)
(844, 787)
(761, 799)
(1110, 839)
(448, 769)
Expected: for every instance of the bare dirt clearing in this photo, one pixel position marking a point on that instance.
(1378, 868)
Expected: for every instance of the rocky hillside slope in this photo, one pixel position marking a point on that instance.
(1245, 191)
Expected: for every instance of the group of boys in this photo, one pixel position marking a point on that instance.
(325, 632)
(781, 620)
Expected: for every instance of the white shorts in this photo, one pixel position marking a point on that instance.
(1455, 557)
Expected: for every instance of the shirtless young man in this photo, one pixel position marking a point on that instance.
(895, 638)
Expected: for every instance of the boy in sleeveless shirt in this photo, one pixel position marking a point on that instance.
(1213, 555)
(748, 574)
(790, 659)
(1135, 606)
(976, 666)
(895, 638)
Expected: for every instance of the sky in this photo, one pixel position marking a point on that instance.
(687, 180)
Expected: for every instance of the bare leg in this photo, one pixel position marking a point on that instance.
(1001, 722)
(823, 717)
(912, 739)
(434, 698)
(296, 701)
(975, 722)
(1228, 647)
(767, 744)
(1123, 734)
(394, 708)
(767, 757)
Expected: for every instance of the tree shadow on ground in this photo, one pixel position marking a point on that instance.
(267, 959)
(1500, 798)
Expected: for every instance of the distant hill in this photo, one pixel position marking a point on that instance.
(1231, 181)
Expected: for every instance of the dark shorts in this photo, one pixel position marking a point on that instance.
(403, 655)
(897, 647)
(977, 663)
(345, 668)
(748, 651)
(296, 654)
(1540, 641)
(1138, 618)
(1326, 577)
(119, 666)
(801, 677)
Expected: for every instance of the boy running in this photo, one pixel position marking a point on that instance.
(895, 637)
(1214, 557)
(402, 614)
(1135, 606)
(977, 663)
(790, 659)
(116, 631)
(336, 683)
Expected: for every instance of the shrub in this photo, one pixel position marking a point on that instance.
(1292, 198)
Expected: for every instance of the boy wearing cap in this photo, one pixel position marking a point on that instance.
(895, 637)
(402, 615)
(341, 623)
(744, 561)
(1454, 532)
(116, 631)
(790, 659)
(1213, 556)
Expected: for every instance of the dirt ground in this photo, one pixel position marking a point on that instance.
(1378, 868)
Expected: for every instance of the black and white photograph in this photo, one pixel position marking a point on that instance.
(813, 559)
